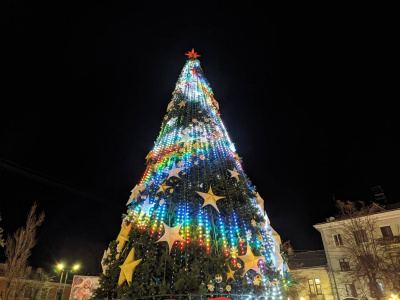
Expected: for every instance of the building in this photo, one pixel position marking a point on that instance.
(383, 238)
(35, 290)
(310, 269)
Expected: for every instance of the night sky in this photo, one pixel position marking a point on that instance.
(306, 92)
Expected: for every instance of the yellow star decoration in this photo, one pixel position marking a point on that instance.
(260, 202)
(251, 261)
(174, 172)
(217, 134)
(234, 251)
(185, 138)
(230, 274)
(145, 208)
(170, 105)
(171, 235)
(123, 235)
(169, 155)
(149, 155)
(136, 192)
(128, 267)
(182, 104)
(234, 174)
(163, 187)
(210, 198)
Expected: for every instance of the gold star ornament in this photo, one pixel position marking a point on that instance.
(210, 198)
(251, 261)
(128, 267)
(163, 187)
(136, 192)
(171, 235)
(174, 172)
(230, 274)
(123, 236)
(234, 174)
(145, 208)
(182, 104)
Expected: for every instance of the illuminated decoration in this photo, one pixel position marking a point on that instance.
(174, 172)
(192, 54)
(172, 121)
(105, 266)
(251, 261)
(136, 192)
(194, 181)
(260, 203)
(185, 138)
(123, 235)
(163, 187)
(171, 235)
(128, 267)
(182, 104)
(257, 280)
(230, 274)
(145, 207)
(234, 174)
(210, 198)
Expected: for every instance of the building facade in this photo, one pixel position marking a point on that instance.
(382, 239)
(310, 269)
(32, 290)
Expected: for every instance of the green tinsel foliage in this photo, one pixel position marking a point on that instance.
(186, 271)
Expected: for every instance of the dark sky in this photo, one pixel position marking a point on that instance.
(307, 94)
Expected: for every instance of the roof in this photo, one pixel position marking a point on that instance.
(393, 206)
(388, 209)
(309, 259)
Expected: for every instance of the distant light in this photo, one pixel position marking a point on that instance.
(76, 267)
(60, 266)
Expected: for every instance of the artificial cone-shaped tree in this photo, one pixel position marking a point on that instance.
(195, 227)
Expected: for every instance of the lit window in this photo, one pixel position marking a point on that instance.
(315, 286)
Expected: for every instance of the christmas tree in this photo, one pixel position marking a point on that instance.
(195, 226)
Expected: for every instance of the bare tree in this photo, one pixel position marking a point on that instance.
(1, 236)
(298, 281)
(367, 257)
(18, 250)
(40, 280)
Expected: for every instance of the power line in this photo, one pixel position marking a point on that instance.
(37, 176)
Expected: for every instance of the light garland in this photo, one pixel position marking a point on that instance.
(193, 138)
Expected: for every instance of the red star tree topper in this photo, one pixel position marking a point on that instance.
(192, 54)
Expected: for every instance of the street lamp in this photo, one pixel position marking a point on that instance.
(66, 270)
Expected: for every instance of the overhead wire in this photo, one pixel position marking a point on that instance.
(40, 177)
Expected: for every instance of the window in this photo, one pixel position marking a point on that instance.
(315, 286)
(28, 292)
(338, 240)
(1, 272)
(43, 293)
(344, 265)
(375, 289)
(351, 290)
(395, 258)
(360, 236)
(59, 294)
(386, 231)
